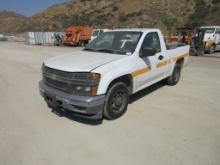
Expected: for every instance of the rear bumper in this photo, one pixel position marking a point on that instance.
(85, 107)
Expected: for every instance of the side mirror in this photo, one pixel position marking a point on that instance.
(147, 51)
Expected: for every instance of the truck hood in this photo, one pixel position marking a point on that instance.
(81, 61)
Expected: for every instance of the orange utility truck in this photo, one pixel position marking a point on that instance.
(77, 35)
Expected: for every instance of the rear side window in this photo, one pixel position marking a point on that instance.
(152, 40)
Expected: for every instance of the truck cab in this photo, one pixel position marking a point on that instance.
(77, 35)
(211, 38)
(97, 81)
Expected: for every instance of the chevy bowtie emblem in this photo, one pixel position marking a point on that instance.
(52, 76)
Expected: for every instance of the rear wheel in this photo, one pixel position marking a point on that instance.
(175, 77)
(116, 101)
(211, 50)
(199, 53)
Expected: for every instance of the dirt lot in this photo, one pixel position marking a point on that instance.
(163, 125)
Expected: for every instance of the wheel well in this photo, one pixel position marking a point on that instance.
(180, 61)
(214, 45)
(127, 79)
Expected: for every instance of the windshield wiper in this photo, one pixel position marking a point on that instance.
(90, 49)
(105, 50)
(110, 51)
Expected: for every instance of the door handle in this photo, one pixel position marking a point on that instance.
(161, 57)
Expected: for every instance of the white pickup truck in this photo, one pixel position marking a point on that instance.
(97, 81)
(211, 38)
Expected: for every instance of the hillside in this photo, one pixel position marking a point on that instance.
(206, 12)
(112, 14)
(116, 14)
(11, 22)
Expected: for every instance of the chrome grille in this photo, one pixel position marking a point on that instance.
(50, 77)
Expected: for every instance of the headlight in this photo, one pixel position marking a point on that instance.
(86, 76)
(88, 85)
(85, 90)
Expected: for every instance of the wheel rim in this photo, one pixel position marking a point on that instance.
(212, 49)
(118, 100)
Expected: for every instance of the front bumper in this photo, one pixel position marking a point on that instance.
(86, 107)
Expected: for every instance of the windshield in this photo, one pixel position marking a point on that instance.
(115, 42)
(210, 30)
(95, 33)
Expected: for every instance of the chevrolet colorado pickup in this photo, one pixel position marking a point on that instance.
(97, 81)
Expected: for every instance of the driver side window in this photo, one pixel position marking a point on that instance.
(152, 40)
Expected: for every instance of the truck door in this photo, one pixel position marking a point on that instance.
(152, 68)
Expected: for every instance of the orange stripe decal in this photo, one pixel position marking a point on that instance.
(141, 71)
(181, 56)
(161, 64)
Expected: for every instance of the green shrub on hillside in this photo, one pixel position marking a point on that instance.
(171, 23)
(100, 20)
(198, 17)
(122, 18)
(76, 20)
(115, 8)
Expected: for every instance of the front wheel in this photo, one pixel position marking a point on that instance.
(175, 77)
(116, 101)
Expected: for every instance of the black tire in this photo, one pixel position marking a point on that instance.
(116, 101)
(199, 53)
(211, 50)
(85, 43)
(175, 77)
(193, 52)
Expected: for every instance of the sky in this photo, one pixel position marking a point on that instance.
(27, 7)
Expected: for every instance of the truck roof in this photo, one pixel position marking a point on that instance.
(138, 29)
(210, 27)
(101, 29)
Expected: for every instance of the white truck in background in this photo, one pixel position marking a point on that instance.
(96, 82)
(2, 37)
(211, 38)
(98, 32)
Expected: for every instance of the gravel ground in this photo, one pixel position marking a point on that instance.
(163, 125)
